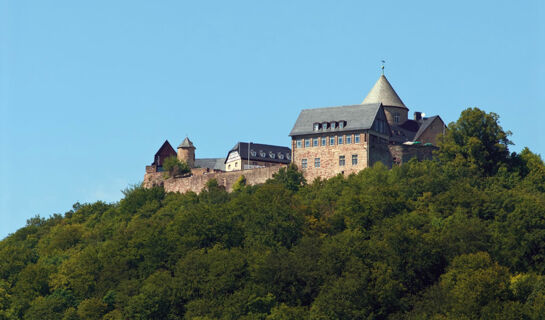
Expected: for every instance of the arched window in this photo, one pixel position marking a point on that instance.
(262, 154)
(253, 153)
(272, 155)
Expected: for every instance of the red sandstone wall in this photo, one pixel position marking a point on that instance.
(196, 183)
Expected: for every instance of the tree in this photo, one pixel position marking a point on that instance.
(240, 183)
(175, 167)
(478, 139)
(290, 177)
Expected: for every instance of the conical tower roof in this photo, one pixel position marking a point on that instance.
(186, 144)
(382, 92)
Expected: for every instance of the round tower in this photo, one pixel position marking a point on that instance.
(186, 152)
(382, 92)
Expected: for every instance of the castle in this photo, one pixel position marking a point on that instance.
(325, 142)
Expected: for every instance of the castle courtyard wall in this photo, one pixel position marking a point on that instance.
(197, 182)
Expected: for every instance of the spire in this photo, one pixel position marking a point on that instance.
(383, 92)
(186, 144)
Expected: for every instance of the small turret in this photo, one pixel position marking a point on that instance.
(186, 152)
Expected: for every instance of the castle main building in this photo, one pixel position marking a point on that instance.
(347, 139)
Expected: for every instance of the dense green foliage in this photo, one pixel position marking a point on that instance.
(175, 167)
(461, 237)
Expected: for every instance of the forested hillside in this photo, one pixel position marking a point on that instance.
(460, 237)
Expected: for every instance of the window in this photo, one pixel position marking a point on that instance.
(348, 139)
(304, 163)
(299, 143)
(324, 126)
(307, 143)
(340, 140)
(315, 142)
(333, 125)
(253, 153)
(229, 167)
(331, 141)
(262, 154)
(341, 161)
(280, 156)
(324, 141)
(272, 155)
(357, 138)
(316, 162)
(288, 156)
(354, 159)
(396, 117)
(341, 124)
(316, 126)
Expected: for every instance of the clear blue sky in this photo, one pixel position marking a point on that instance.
(89, 90)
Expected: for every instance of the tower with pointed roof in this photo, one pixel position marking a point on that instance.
(383, 92)
(186, 152)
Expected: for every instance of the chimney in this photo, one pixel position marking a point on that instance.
(418, 116)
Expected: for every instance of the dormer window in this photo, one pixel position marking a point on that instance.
(272, 155)
(316, 126)
(333, 125)
(341, 124)
(280, 156)
(288, 156)
(262, 154)
(324, 126)
(253, 153)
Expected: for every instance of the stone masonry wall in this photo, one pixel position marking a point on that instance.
(404, 153)
(329, 158)
(196, 183)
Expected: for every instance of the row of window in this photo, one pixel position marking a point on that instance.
(329, 125)
(323, 141)
(317, 161)
(272, 155)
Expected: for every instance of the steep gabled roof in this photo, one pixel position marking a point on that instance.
(166, 147)
(186, 144)
(357, 117)
(383, 92)
(426, 122)
(242, 149)
(164, 151)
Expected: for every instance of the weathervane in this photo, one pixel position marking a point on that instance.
(383, 62)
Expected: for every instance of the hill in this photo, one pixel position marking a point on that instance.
(459, 237)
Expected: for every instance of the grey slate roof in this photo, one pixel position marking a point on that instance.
(186, 144)
(357, 117)
(401, 134)
(382, 92)
(242, 149)
(211, 163)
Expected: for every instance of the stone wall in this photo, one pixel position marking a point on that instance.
(379, 151)
(402, 153)
(329, 157)
(197, 182)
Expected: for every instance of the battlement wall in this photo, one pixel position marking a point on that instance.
(197, 182)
